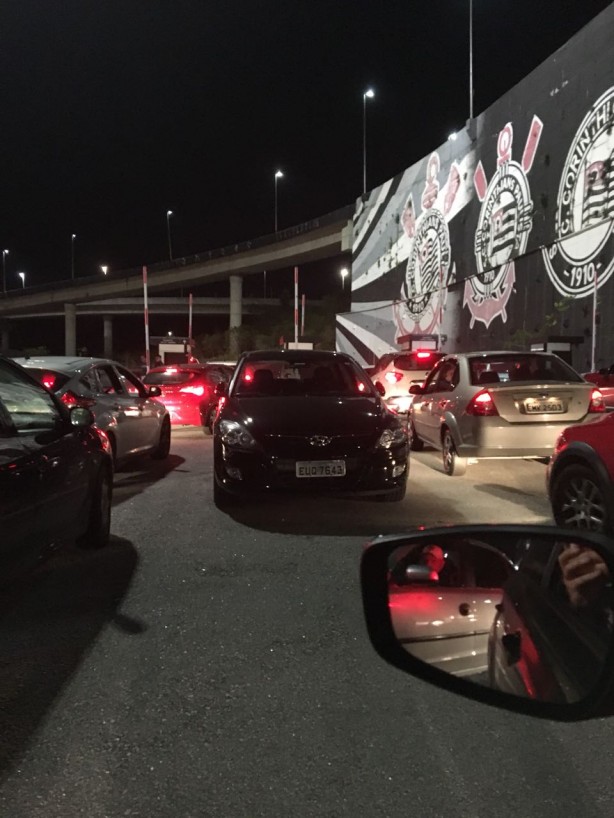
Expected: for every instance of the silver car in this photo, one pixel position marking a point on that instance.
(122, 406)
(499, 405)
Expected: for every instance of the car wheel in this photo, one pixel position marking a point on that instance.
(394, 496)
(164, 444)
(223, 499)
(578, 500)
(208, 419)
(453, 465)
(416, 443)
(99, 523)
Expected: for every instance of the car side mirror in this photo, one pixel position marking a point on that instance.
(221, 389)
(81, 417)
(154, 392)
(535, 639)
(416, 389)
(380, 388)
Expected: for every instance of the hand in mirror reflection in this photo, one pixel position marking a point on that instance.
(584, 574)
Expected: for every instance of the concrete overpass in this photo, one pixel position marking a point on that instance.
(325, 237)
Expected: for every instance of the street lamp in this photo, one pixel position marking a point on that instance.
(4, 255)
(22, 276)
(452, 137)
(368, 94)
(169, 213)
(72, 255)
(104, 269)
(344, 274)
(278, 175)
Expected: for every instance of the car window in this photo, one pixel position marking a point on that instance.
(29, 407)
(302, 378)
(89, 381)
(505, 367)
(447, 376)
(430, 385)
(130, 383)
(108, 380)
(416, 361)
(49, 379)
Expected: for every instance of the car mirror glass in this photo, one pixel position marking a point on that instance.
(416, 389)
(81, 417)
(525, 616)
(380, 388)
(154, 391)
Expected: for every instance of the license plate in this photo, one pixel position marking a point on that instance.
(320, 468)
(551, 406)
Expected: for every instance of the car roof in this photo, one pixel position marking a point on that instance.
(295, 354)
(61, 363)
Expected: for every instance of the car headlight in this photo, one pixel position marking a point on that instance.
(236, 436)
(392, 437)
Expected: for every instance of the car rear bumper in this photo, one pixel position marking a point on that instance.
(524, 440)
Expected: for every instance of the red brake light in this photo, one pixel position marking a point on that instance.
(248, 376)
(597, 403)
(70, 399)
(48, 380)
(194, 390)
(171, 370)
(393, 377)
(482, 405)
(361, 386)
(423, 355)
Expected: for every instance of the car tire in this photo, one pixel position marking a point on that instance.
(98, 528)
(394, 496)
(416, 444)
(163, 448)
(208, 419)
(222, 499)
(578, 500)
(453, 465)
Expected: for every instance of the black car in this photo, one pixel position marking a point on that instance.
(306, 421)
(56, 473)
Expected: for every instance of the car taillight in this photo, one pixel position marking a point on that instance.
(70, 399)
(423, 355)
(597, 403)
(482, 405)
(393, 377)
(194, 390)
(48, 380)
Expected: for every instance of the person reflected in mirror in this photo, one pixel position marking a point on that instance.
(443, 569)
(585, 575)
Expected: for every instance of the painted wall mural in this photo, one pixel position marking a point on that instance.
(499, 238)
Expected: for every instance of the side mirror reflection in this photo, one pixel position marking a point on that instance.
(527, 615)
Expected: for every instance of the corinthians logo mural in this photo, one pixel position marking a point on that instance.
(504, 225)
(585, 207)
(428, 268)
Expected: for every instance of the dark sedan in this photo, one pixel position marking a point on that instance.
(56, 473)
(306, 421)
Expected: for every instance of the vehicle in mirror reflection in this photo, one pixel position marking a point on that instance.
(513, 611)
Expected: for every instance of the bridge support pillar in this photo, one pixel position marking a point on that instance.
(70, 329)
(4, 337)
(236, 313)
(108, 335)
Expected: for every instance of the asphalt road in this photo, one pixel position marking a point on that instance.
(215, 665)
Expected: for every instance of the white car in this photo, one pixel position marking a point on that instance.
(395, 372)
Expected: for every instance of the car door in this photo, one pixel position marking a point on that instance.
(442, 398)
(144, 412)
(117, 413)
(43, 471)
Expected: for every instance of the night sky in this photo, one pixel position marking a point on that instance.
(113, 111)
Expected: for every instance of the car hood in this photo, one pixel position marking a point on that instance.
(308, 416)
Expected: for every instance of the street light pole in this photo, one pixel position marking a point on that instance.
(344, 273)
(72, 255)
(169, 213)
(278, 175)
(368, 94)
(4, 255)
(470, 59)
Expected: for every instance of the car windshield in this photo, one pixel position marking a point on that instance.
(502, 368)
(301, 378)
